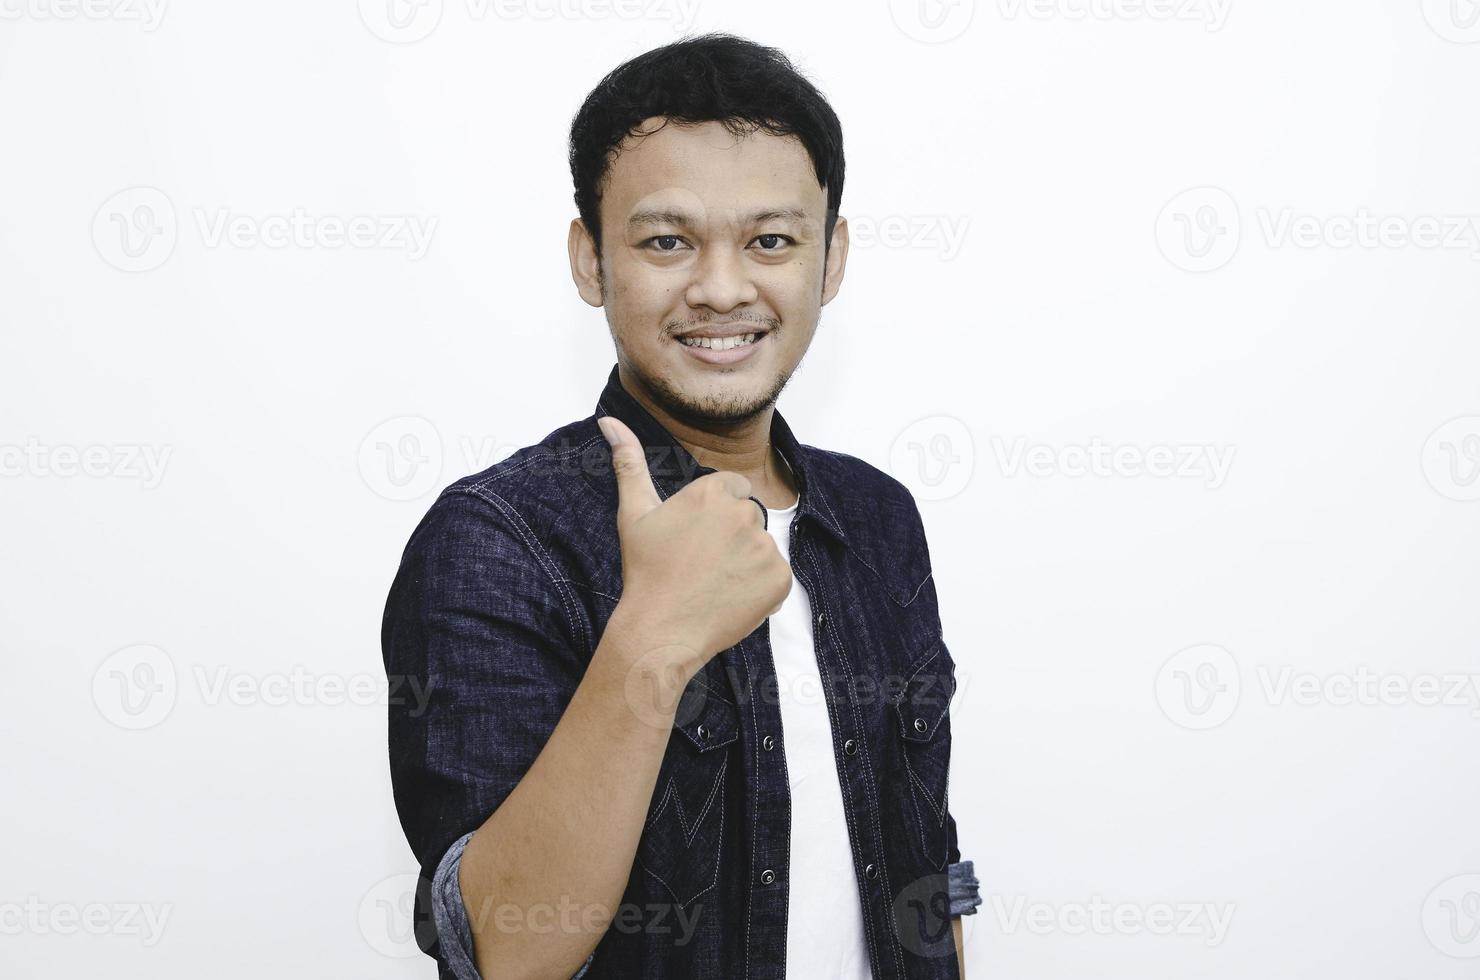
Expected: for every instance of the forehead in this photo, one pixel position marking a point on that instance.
(706, 164)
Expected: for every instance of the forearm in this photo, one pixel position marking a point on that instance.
(565, 837)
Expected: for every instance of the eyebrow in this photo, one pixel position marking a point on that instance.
(664, 216)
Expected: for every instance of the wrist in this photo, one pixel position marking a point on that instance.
(667, 655)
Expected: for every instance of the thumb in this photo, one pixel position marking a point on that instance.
(636, 494)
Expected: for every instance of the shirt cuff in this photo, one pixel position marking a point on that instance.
(450, 916)
(965, 890)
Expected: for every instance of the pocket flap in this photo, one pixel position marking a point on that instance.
(926, 695)
(709, 720)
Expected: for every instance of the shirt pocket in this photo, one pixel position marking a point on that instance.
(684, 833)
(922, 710)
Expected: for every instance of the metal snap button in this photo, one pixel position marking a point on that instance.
(871, 871)
(920, 725)
(768, 743)
(703, 732)
(851, 746)
(768, 876)
(820, 617)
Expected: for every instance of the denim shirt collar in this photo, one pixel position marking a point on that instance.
(673, 467)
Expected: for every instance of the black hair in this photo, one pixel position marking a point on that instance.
(715, 77)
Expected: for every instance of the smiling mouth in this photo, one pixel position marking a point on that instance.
(723, 350)
(721, 343)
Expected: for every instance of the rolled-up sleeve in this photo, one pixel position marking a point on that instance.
(486, 648)
(965, 890)
(454, 933)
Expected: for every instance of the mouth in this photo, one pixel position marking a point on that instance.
(721, 349)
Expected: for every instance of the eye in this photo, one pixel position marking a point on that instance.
(772, 242)
(666, 243)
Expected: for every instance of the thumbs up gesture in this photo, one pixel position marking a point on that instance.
(699, 569)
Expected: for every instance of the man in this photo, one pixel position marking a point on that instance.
(688, 709)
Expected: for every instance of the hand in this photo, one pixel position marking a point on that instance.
(699, 569)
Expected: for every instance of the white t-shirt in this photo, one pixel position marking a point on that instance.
(824, 914)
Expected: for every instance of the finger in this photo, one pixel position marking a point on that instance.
(636, 494)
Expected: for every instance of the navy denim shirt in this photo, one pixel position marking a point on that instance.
(501, 598)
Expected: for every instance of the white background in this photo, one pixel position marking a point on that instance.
(1122, 226)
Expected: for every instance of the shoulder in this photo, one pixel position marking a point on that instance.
(522, 497)
(865, 491)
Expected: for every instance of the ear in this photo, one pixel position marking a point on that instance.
(837, 261)
(585, 265)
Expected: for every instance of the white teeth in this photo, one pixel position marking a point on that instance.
(719, 343)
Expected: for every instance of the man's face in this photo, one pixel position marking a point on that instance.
(704, 230)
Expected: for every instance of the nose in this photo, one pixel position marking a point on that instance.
(722, 280)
